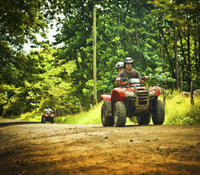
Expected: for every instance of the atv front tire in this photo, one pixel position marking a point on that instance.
(158, 114)
(106, 114)
(43, 120)
(119, 114)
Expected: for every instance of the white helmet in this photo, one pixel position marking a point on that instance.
(119, 65)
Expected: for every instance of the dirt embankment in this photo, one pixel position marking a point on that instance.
(33, 149)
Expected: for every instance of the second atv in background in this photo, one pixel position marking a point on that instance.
(48, 115)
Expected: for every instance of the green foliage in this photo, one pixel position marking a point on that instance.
(180, 19)
(55, 89)
(30, 116)
(121, 32)
(20, 19)
(179, 110)
(159, 77)
(43, 84)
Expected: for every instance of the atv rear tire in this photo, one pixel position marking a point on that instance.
(158, 114)
(119, 114)
(106, 114)
(43, 120)
(144, 119)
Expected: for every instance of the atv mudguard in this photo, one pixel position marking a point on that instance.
(118, 94)
(106, 97)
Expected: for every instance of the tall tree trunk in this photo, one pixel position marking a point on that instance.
(165, 41)
(163, 56)
(189, 61)
(168, 55)
(178, 82)
(196, 58)
(139, 55)
(198, 73)
(184, 65)
(76, 60)
(199, 51)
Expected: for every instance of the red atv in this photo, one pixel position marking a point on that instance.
(48, 116)
(136, 99)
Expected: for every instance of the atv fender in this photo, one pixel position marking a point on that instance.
(118, 94)
(106, 97)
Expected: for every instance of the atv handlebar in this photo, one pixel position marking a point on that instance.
(144, 78)
(127, 82)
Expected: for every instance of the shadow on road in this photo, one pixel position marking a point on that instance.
(138, 125)
(2, 124)
(126, 126)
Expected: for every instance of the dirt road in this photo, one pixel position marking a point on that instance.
(33, 148)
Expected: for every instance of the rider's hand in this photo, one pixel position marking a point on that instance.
(145, 78)
(142, 81)
(124, 83)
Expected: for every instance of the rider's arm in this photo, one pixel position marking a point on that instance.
(121, 81)
(145, 79)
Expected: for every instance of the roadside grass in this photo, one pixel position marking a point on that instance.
(92, 116)
(30, 116)
(178, 111)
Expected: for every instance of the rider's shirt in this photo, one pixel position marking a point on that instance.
(125, 76)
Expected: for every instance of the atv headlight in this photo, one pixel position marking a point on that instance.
(153, 92)
(128, 93)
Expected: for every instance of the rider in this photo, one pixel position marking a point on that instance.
(127, 73)
(48, 110)
(119, 66)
